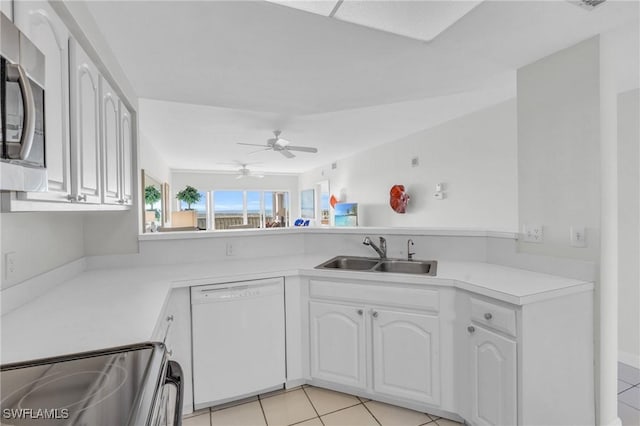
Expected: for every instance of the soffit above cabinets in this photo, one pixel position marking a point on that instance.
(421, 20)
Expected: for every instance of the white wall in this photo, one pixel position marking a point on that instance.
(41, 242)
(474, 156)
(629, 227)
(151, 161)
(558, 149)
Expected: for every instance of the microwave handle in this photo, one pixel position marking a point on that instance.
(16, 73)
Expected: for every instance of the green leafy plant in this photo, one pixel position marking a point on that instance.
(151, 195)
(189, 195)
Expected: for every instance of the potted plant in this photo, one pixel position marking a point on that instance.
(151, 196)
(189, 195)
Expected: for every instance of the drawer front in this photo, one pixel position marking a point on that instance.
(494, 316)
(388, 295)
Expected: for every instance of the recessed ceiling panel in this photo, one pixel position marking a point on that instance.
(320, 7)
(422, 20)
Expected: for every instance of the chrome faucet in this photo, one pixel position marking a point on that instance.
(382, 250)
(409, 252)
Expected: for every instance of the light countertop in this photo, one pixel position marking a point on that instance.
(113, 307)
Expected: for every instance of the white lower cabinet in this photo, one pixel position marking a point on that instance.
(389, 351)
(406, 355)
(337, 340)
(492, 372)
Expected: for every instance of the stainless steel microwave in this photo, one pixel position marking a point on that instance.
(22, 70)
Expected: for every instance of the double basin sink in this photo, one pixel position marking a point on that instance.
(354, 263)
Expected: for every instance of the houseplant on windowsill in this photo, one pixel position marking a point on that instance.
(186, 217)
(151, 196)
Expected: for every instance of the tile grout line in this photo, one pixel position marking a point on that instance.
(312, 406)
(264, 415)
(374, 417)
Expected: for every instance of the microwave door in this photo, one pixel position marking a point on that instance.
(20, 113)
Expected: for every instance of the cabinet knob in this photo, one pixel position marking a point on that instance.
(360, 311)
(72, 198)
(170, 352)
(488, 316)
(471, 329)
(121, 201)
(82, 197)
(170, 318)
(374, 314)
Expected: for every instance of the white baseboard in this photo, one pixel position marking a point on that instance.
(629, 359)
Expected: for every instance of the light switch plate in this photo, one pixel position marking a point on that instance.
(577, 236)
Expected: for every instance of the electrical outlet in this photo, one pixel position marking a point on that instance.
(577, 236)
(230, 249)
(9, 265)
(532, 233)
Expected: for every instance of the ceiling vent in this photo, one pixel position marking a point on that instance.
(587, 4)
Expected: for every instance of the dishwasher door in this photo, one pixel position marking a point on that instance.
(238, 340)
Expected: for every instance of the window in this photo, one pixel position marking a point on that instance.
(250, 209)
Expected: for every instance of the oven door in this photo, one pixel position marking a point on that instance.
(169, 411)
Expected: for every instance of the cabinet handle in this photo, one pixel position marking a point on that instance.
(170, 318)
(360, 311)
(82, 197)
(374, 314)
(471, 329)
(488, 316)
(120, 201)
(72, 198)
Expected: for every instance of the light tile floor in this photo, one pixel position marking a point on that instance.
(628, 395)
(311, 406)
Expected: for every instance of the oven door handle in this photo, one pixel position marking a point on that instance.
(175, 377)
(16, 73)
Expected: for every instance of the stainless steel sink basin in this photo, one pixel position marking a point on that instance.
(349, 262)
(427, 267)
(354, 263)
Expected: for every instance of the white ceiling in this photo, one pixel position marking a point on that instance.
(214, 73)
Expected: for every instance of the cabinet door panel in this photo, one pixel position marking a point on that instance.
(110, 144)
(85, 113)
(406, 355)
(337, 336)
(126, 144)
(493, 379)
(38, 21)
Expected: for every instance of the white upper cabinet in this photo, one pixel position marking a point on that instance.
(110, 141)
(85, 126)
(38, 21)
(126, 144)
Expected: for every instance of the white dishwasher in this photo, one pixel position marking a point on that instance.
(238, 340)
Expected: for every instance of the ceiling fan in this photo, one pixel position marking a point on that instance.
(281, 145)
(243, 171)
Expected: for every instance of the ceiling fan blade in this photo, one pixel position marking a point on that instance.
(286, 153)
(260, 150)
(302, 148)
(249, 144)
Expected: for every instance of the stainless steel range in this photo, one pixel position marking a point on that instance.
(132, 385)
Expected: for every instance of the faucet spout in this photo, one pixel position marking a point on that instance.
(382, 250)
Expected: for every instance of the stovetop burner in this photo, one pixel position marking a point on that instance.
(92, 390)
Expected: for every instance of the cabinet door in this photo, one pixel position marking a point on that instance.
(126, 144)
(85, 125)
(493, 378)
(6, 7)
(38, 21)
(110, 138)
(337, 343)
(406, 355)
